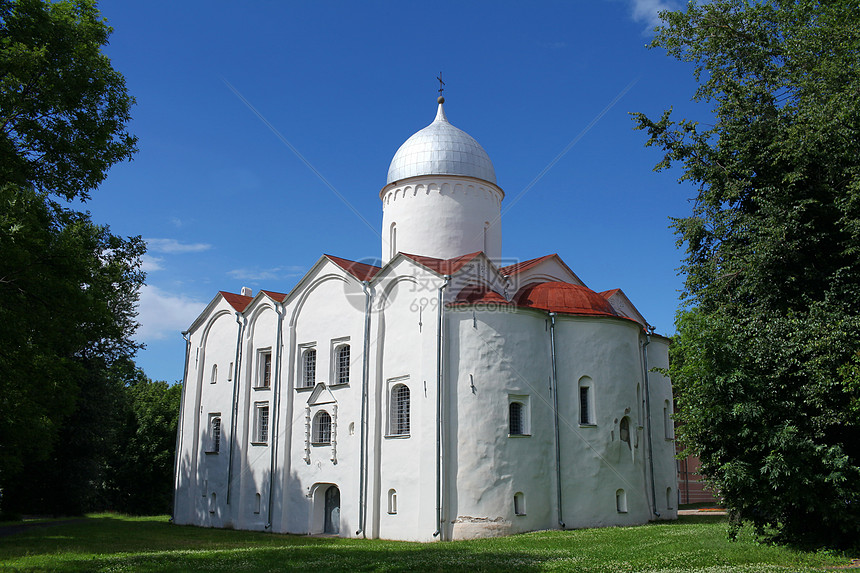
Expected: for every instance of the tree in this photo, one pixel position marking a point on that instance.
(764, 364)
(140, 474)
(68, 287)
(63, 108)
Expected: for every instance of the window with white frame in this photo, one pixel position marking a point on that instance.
(309, 367)
(518, 415)
(261, 423)
(321, 430)
(214, 438)
(341, 364)
(264, 368)
(586, 402)
(399, 404)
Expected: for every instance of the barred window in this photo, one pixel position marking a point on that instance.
(399, 410)
(264, 372)
(261, 422)
(516, 427)
(322, 428)
(214, 434)
(342, 364)
(309, 367)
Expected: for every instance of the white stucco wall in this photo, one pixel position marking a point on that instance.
(441, 216)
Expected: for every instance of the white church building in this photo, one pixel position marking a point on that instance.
(440, 396)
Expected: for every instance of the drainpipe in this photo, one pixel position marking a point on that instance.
(650, 431)
(279, 308)
(552, 316)
(180, 424)
(439, 411)
(233, 424)
(365, 362)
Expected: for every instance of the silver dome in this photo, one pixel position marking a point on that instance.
(441, 149)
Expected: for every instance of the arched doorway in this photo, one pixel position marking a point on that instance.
(332, 510)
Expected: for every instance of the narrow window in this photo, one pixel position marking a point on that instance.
(399, 425)
(309, 367)
(669, 504)
(515, 419)
(261, 422)
(322, 428)
(392, 502)
(587, 413)
(519, 503)
(342, 364)
(214, 434)
(264, 369)
(212, 503)
(393, 241)
(667, 421)
(214, 378)
(584, 405)
(624, 430)
(230, 372)
(486, 232)
(257, 504)
(621, 501)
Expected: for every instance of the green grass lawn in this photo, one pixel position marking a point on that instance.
(117, 543)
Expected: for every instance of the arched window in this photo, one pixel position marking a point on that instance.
(257, 503)
(519, 503)
(392, 241)
(214, 378)
(309, 367)
(322, 428)
(516, 425)
(399, 425)
(621, 501)
(392, 501)
(342, 364)
(624, 430)
(669, 504)
(213, 502)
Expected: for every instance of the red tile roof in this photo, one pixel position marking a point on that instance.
(237, 301)
(524, 265)
(564, 298)
(478, 294)
(607, 294)
(278, 296)
(361, 271)
(443, 266)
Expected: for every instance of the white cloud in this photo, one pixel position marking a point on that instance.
(149, 263)
(647, 10)
(266, 274)
(172, 246)
(162, 314)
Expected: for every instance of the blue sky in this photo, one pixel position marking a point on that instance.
(224, 203)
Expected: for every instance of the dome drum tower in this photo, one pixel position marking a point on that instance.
(441, 199)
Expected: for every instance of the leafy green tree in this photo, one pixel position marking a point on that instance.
(764, 364)
(63, 108)
(68, 287)
(140, 474)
